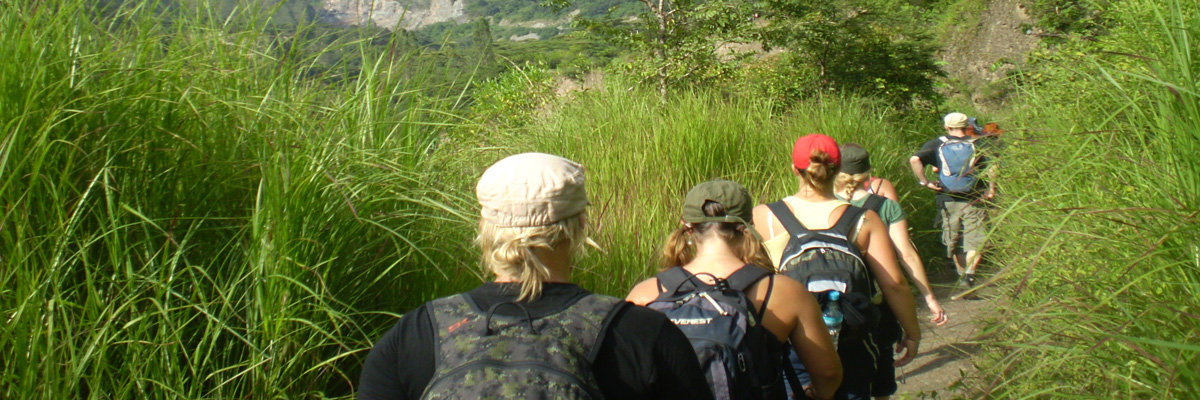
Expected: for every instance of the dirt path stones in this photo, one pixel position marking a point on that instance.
(946, 351)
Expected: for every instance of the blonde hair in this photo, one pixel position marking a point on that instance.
(509, 251)
(680, 249)
(820, 172)
(846, 184)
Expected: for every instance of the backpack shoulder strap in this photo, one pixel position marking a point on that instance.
(604, 326)
(848, 220)
(874, 203)
(786, 218)
(671, 280)
(745, 277)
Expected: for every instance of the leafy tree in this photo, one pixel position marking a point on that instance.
(862, 47)
(674, 41)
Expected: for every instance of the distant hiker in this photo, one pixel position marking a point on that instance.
(960, 161)
(718, 286)
(973, 128)
(531, 333)
(829, 245)
(856, 170)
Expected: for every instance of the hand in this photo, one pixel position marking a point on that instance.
(908, 346)
(989, 194)
(934, 186)
(938, 315)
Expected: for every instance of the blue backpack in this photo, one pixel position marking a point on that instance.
(726, 331)
(956, 164)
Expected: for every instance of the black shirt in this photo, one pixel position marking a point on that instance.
(642, 356)
(983, 148)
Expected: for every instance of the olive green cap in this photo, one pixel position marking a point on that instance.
(739, 207)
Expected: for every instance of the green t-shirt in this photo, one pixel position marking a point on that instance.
(890, 211)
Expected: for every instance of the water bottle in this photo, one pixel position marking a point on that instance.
(832, 314)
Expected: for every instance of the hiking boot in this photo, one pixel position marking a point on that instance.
(962, 283)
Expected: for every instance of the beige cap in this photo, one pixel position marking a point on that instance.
(955, 120)
(531, 189)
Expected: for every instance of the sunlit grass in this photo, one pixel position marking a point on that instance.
(193, 208)
(1106, 188)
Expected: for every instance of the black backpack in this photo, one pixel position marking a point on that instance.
(740, 359)
(517, 358)
(874, 203)
(827, 260)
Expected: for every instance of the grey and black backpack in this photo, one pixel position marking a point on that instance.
(739, 359)
(827, 260)
(484, 355)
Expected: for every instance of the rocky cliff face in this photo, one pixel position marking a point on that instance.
(394, 14)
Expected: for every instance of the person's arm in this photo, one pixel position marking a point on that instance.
(881, 258)
(886, 189)
(677, 370)
(400, 363)
(918, 169)
(645, 356)
(991, 173)
(793, 314)
(911, 262)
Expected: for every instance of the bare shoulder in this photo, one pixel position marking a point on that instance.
(887, 189)
(871, 224)
(644, 292)
(791, 289)
(785, 290)
(761, 212)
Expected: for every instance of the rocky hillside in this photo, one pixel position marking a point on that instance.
(394, 14)
(989, 44)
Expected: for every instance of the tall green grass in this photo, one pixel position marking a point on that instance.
(196, 208)
(1100, 231)
(643, 154)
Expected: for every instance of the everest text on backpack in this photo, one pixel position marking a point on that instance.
(725, 330)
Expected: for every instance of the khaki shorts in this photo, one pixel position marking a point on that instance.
(964, 226)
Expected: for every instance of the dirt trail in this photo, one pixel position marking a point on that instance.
(946, 351)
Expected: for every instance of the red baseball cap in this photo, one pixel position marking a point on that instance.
(805, 146)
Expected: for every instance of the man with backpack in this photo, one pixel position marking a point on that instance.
(960, 161)
(530, 333)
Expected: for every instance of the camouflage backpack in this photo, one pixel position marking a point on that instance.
(484, 355)
(827, 260)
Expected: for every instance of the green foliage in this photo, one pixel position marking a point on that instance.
(197, 208)
(510, 99)
(642, 155)
(1101, 223)
(571, 55)
(853, 47)
(674, 42)
(1062, 17)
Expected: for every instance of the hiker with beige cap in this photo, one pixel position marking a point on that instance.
(961, 193)
(531, 333)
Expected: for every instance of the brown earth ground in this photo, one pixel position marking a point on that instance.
(946, 352)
